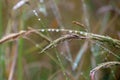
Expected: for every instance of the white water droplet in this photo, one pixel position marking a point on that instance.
(70, 31)
(53, 30)
(49, 30)
(62, 29)
(81, 32)
(57, 30)
(35, 12)
(42, 30)
(86, 34)
(74, 66)
(76, 31)
(39, 19)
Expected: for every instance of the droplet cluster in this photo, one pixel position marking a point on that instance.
(36, 14)
(63, 30)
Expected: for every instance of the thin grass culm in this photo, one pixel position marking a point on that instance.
(102, 65)
(59, 39)
(100, 38)
(72, 34)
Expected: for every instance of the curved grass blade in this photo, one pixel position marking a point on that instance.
(12, 36)
(100, 38)
(40, 34)
(61, 39)
(103, 65)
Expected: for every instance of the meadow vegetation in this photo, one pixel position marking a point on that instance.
(59, 40)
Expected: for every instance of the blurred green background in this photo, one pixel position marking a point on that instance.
(69, 60)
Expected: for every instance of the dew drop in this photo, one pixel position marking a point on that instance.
(76, 31)
(39, 19)
(70, 31)
(81, 32)
(49, 30)
(42, 30)
(62, 29)
(86, 34)
(53, 30)
(74, 66)
(57, 30)
(35, 12)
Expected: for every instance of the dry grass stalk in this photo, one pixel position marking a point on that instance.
(103, 65)
(72, 34)
(61, 39)
(79, 24)
(12, 36)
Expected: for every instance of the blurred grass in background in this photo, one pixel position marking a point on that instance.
(69, 60)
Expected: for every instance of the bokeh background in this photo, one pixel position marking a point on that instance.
(69, 60)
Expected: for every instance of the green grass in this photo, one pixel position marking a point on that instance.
(51, 53)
